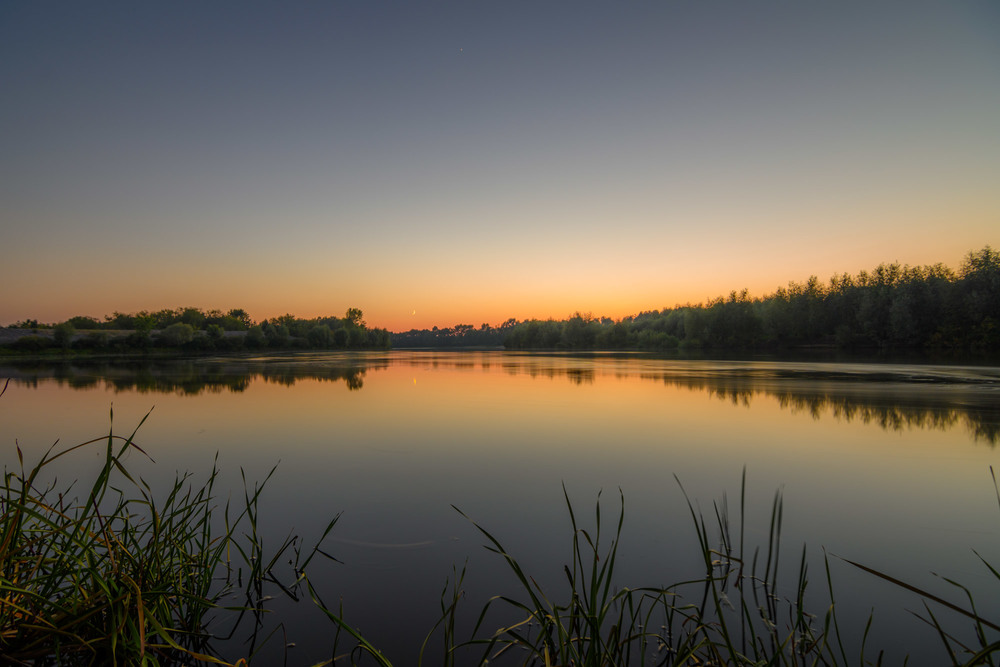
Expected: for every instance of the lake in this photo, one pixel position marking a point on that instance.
(884, 464)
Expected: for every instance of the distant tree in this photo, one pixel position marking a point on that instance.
(143, 322)
(242, 317)
(357, 337)
(650, 339)
(32, 343)
(118, 321)
(695, 325)
(354, 317)
(95, 340)
(277, 335)
(177, 334)
(286, 320)
(165, 317)
(215, 333)
(320, 336)
(62, 334)
(84, 323)
(380, 339)
(137, 340)
(29, 324)
(255, 337)
(615, 336)
(980, 288)
(580, 332)
(340, 338)
(193, 316)
(983, 264)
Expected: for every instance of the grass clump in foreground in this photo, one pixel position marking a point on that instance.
(115, 577)
(734, 614)
(730, 616)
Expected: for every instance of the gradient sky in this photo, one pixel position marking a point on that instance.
(473, 161)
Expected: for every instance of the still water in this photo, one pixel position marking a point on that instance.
(888, 465)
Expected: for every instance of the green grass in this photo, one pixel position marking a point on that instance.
(114, 576)
(732, 614)
(729, 616)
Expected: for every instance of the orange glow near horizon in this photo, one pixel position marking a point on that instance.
(649, 156)
(435, 298)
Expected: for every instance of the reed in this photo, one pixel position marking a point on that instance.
(980, 644)
(112, 575)
(731, 615)
(738, 612)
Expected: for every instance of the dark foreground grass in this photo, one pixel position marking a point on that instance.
(733, 614)
(113, 576)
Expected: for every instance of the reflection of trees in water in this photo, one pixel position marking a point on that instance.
(884, 400)
(187, 378)
(820, 394)
(580, 375)
(352, 377)
(887, 410)
(574, 374)
(828, 394)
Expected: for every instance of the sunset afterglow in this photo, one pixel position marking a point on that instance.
(472, 162)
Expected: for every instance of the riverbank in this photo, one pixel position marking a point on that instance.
(41, 343)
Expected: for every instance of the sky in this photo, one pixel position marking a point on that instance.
(435, 163)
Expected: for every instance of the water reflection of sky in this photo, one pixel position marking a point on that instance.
(893, 397)
(886, 465)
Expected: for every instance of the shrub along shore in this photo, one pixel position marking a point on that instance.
(191, 331)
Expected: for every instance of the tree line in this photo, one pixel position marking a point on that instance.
(460, 335)
(194, 330)
(892, 307)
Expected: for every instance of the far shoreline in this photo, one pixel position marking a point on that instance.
(810, 353)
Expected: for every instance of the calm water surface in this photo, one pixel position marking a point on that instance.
(888, 465)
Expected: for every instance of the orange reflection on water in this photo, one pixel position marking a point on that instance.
(343, 412)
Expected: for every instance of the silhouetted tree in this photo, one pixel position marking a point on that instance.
(890, 307)
(241, 319)
(84, 323)
(255, 337)
(177, 334)
(354, 318)
(215, 333)
(320, 336)
(62, 334)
